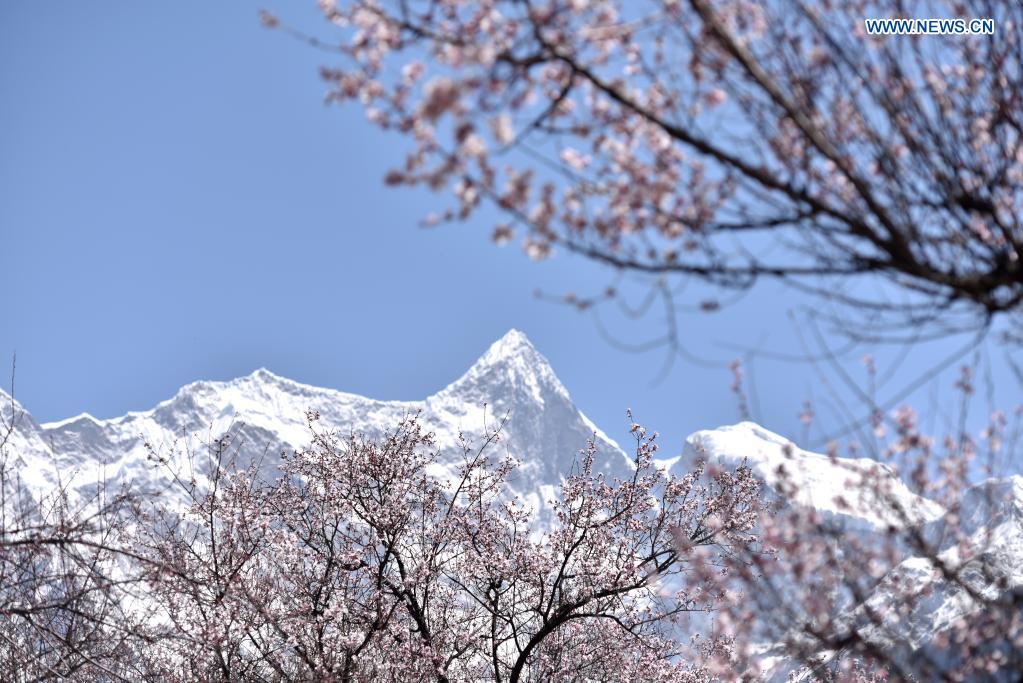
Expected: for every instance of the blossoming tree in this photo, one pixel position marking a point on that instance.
(724, 140)
(362, 563)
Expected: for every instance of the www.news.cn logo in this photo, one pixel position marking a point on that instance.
(929, 27)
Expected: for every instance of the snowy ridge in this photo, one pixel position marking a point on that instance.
(833, 486)
(265, 414)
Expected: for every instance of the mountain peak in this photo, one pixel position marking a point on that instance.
(513, 343)
(511, 364)
(511, 353)
(264, 376)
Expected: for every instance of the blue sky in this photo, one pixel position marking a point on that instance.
(177, 203)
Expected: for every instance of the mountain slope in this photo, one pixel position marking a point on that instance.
(981, 541)
(843, 490)
(265, 414)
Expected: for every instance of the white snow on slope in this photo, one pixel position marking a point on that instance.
(982, 540)
(985, 550)
(265, 414)
(819, 481)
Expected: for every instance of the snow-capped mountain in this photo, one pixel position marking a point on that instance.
(836, 487)
(981, 541)
(512, 381)
(266, 414)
